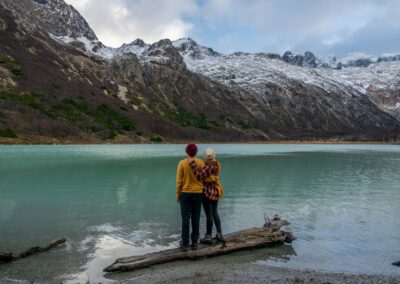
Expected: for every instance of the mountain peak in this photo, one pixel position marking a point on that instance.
(53, 2)
(308, 59)
(59, 18)
(43, 2)
(65, 23)
(161, 43)
(187, 47)
(358, 59)
(186, 41)
(139, 42)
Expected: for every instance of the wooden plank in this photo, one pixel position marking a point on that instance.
(242, 240)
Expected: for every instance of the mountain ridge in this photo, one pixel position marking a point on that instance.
(75, 88)
(64, 22)
(189, 46)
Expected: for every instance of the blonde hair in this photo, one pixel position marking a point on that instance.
(209, 154)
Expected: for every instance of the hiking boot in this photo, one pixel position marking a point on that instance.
(219, 237)
(206, 240)
(195, 246)
(184, 248)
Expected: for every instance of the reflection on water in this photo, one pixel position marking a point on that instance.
(114, 201)
(105, 248)
(175, 268)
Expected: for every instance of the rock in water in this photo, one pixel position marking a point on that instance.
(397, 263)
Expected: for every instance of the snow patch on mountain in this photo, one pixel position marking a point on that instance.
(187, 47)
(358, 59)
(361, 74)
(137, 47)
(254, 72)
(62, 19)
(397, 106)
(92, 47)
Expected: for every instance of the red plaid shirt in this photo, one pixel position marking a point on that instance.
(209, 174)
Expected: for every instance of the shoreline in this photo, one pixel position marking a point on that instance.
(244, 267)
(7, 141)
(240, 268)
(125, 140)
(266, 274)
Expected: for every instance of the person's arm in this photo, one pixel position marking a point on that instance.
(200, 173)
(207, 171)
(211, 174)
(203, 173)
(196, 171)
(179, 182)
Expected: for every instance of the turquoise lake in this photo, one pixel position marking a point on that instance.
(109, 201)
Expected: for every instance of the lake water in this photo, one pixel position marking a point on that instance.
(343, 202)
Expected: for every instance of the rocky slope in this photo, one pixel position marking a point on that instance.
(379, 82)
(304, 96)
(59, 83)
(52, 91)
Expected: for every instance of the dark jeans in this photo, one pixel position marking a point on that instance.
(211, 209)
(190, 211)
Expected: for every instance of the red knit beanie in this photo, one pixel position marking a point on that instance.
(191, 150)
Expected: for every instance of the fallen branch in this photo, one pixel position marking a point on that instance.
(247, 239)
(6, 256)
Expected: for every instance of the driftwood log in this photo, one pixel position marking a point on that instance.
(6, 256)
(247, 239)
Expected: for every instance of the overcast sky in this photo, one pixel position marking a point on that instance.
(322, 26)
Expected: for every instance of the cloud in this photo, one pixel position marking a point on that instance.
(121, 21)
(322, 26)
(289, 24)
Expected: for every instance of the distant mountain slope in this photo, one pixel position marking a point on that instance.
(380, 81)
(59, 83)
(268, 80)
(50, 91)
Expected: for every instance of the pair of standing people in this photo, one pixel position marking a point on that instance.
(197, 184)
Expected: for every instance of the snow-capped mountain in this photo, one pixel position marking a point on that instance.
(239, 96)
(389, 57)
(360, 75)
(59, 18)
(306, 60)
(187, 47)
(357, 59)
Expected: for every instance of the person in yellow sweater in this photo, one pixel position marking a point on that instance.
(189, 193)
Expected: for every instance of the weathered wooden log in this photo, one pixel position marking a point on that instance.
(5, 256)
(289, 237)
(8, 256)
(246, 239)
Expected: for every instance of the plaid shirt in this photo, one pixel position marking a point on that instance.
(209, 174)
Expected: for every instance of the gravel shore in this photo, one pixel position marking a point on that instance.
(261, 274)
(241, 268)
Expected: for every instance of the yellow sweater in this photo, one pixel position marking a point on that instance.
(186, 181)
